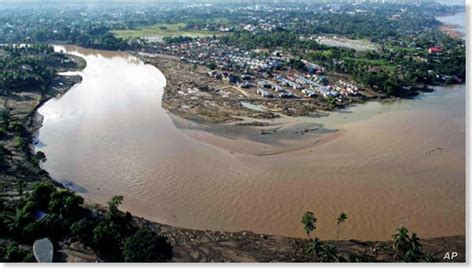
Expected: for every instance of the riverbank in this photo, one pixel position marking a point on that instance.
(22, 108)
(451, 26)
(244, 246)
(451, 30)
(219, 246)
(192, 94)
(188, 242)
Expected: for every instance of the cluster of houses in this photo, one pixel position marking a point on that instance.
(282, 93)
(242, 67)
(223, 57)
(244, 61)
(308, 85)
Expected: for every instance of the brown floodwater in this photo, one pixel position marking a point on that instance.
(384, 164)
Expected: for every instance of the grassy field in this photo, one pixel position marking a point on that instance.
(163, 30)
(375, 62)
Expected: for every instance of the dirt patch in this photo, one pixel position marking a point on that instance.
(192, 94)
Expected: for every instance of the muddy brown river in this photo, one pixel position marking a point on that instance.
(384, 164)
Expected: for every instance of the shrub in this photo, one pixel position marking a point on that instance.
(82, 230)
(106, 236)
(41, 195)
(13, 253)
(66, 204)
(147, 246)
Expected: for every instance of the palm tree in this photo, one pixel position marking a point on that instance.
(401, 242)
(315, 247)
(308, 220)
(340, 220)
(415, 248)
(329, 254)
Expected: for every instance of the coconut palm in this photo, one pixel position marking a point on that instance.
(315, 247)
(415, 252)
(401, 241)
(309, 223)
(407, 248)
(340, 220)
(329, 254)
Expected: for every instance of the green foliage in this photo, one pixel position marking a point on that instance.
(83, 228)
(107, 237)
(38, 158)
(66, 204)
(407, 249)
(147, 246)
(329, 253)
(16, 222)
(309, 223)
(315, 248)
(430, 258)
(25, 67)
(113, 211)
(13, 253)
(40, 197)
(19, 142)
(340, 220)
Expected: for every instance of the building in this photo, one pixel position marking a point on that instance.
(435, 50)
(264, 93)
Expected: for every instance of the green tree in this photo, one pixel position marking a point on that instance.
(401, 241)
(40, 196)
(315, 247)
(82, 230)
(340, 220)
(15, 222)
(147, 246)
(107, 237)
(66, 204)
(113, 204)
(13, 253)
(309, 223)
(39, 158)
(329, 253)
(406, 248)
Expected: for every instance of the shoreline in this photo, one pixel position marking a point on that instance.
(203, 245)
(192, 95)
(451, 29)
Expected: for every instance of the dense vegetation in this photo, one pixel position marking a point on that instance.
(393, 69)
(58, 214)
(26, 66)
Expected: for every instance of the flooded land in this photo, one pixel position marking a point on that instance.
(384, 164)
